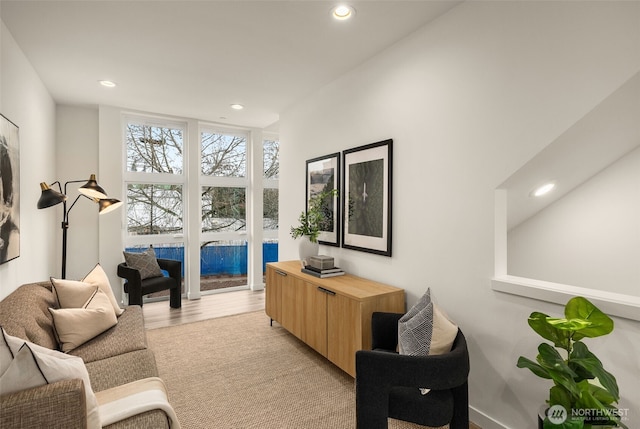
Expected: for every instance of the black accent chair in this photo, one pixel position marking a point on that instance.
(387, 383)
(136, 287)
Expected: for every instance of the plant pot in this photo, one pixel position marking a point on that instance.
(306, 249)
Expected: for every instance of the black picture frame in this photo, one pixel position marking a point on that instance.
(323, 174)
(10, 191)
(366, 198)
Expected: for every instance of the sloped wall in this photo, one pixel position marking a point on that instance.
(589, 238)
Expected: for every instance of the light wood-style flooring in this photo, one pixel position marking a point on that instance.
(159, 314)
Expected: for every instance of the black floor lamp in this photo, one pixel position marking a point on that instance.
(90, 190)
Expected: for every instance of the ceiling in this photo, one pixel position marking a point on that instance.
(195, 58)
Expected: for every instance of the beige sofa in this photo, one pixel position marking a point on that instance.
(117, 356)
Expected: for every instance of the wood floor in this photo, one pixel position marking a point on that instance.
(159, 314)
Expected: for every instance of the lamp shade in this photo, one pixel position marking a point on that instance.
(91, 189)
(108, 204)
(49, 197)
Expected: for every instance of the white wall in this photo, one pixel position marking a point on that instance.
(590, 237)
(468, 99)
(77, 159)
(27, 103)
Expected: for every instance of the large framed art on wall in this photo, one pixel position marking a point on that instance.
(367, 198)
(9, 190)
(323, 174)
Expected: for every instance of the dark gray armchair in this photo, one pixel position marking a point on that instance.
(136, 287)
(388, 384)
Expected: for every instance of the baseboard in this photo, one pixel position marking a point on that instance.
(484, 421)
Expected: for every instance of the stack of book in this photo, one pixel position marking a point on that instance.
(322, 273)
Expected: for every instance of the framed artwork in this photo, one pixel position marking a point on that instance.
(9, 190)
(323, 174)
(367, 198)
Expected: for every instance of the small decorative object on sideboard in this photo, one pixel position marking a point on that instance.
(321, 262)
(323, 274)
(322, 266)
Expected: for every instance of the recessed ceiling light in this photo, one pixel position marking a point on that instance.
(544, 189)
(236, 106)
(343, 12)
(107, 83)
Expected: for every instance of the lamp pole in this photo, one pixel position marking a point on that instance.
(65, 225)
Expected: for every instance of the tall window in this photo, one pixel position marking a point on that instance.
(160, 194)
(223, 249)
(271, 168)
(155, 187)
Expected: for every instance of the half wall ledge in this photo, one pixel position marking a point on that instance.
(616, 304)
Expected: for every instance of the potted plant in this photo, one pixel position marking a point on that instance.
(576, 399)
(313, 221)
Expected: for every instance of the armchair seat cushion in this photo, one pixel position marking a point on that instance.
(407, 404)
(154, 284)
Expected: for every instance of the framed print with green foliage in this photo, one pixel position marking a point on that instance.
(367, 198)
(323, 174)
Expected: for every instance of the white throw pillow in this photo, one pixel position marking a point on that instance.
(74, 293)
(6, 356)
(52, 366)
(76, 326)
(22, 373)
(98, 277)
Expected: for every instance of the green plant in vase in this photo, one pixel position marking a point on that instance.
(581, 386)
(315, 218)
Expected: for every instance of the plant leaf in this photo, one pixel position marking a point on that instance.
(540, 324)
(523, 362)
(569, 324)
(558, 395)
(560, 372)
(582, 357)
(581, 308)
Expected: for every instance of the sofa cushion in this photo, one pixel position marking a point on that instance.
(122, 369)
(25, 314)
(76, 326)
(128, 335)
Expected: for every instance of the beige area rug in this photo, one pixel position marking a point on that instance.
(237, 372)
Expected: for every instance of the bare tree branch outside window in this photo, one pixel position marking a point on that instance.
(271, 166)
(158, 208)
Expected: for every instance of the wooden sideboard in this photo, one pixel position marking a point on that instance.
(331, 315)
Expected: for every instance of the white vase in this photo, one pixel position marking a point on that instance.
(306, 249)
